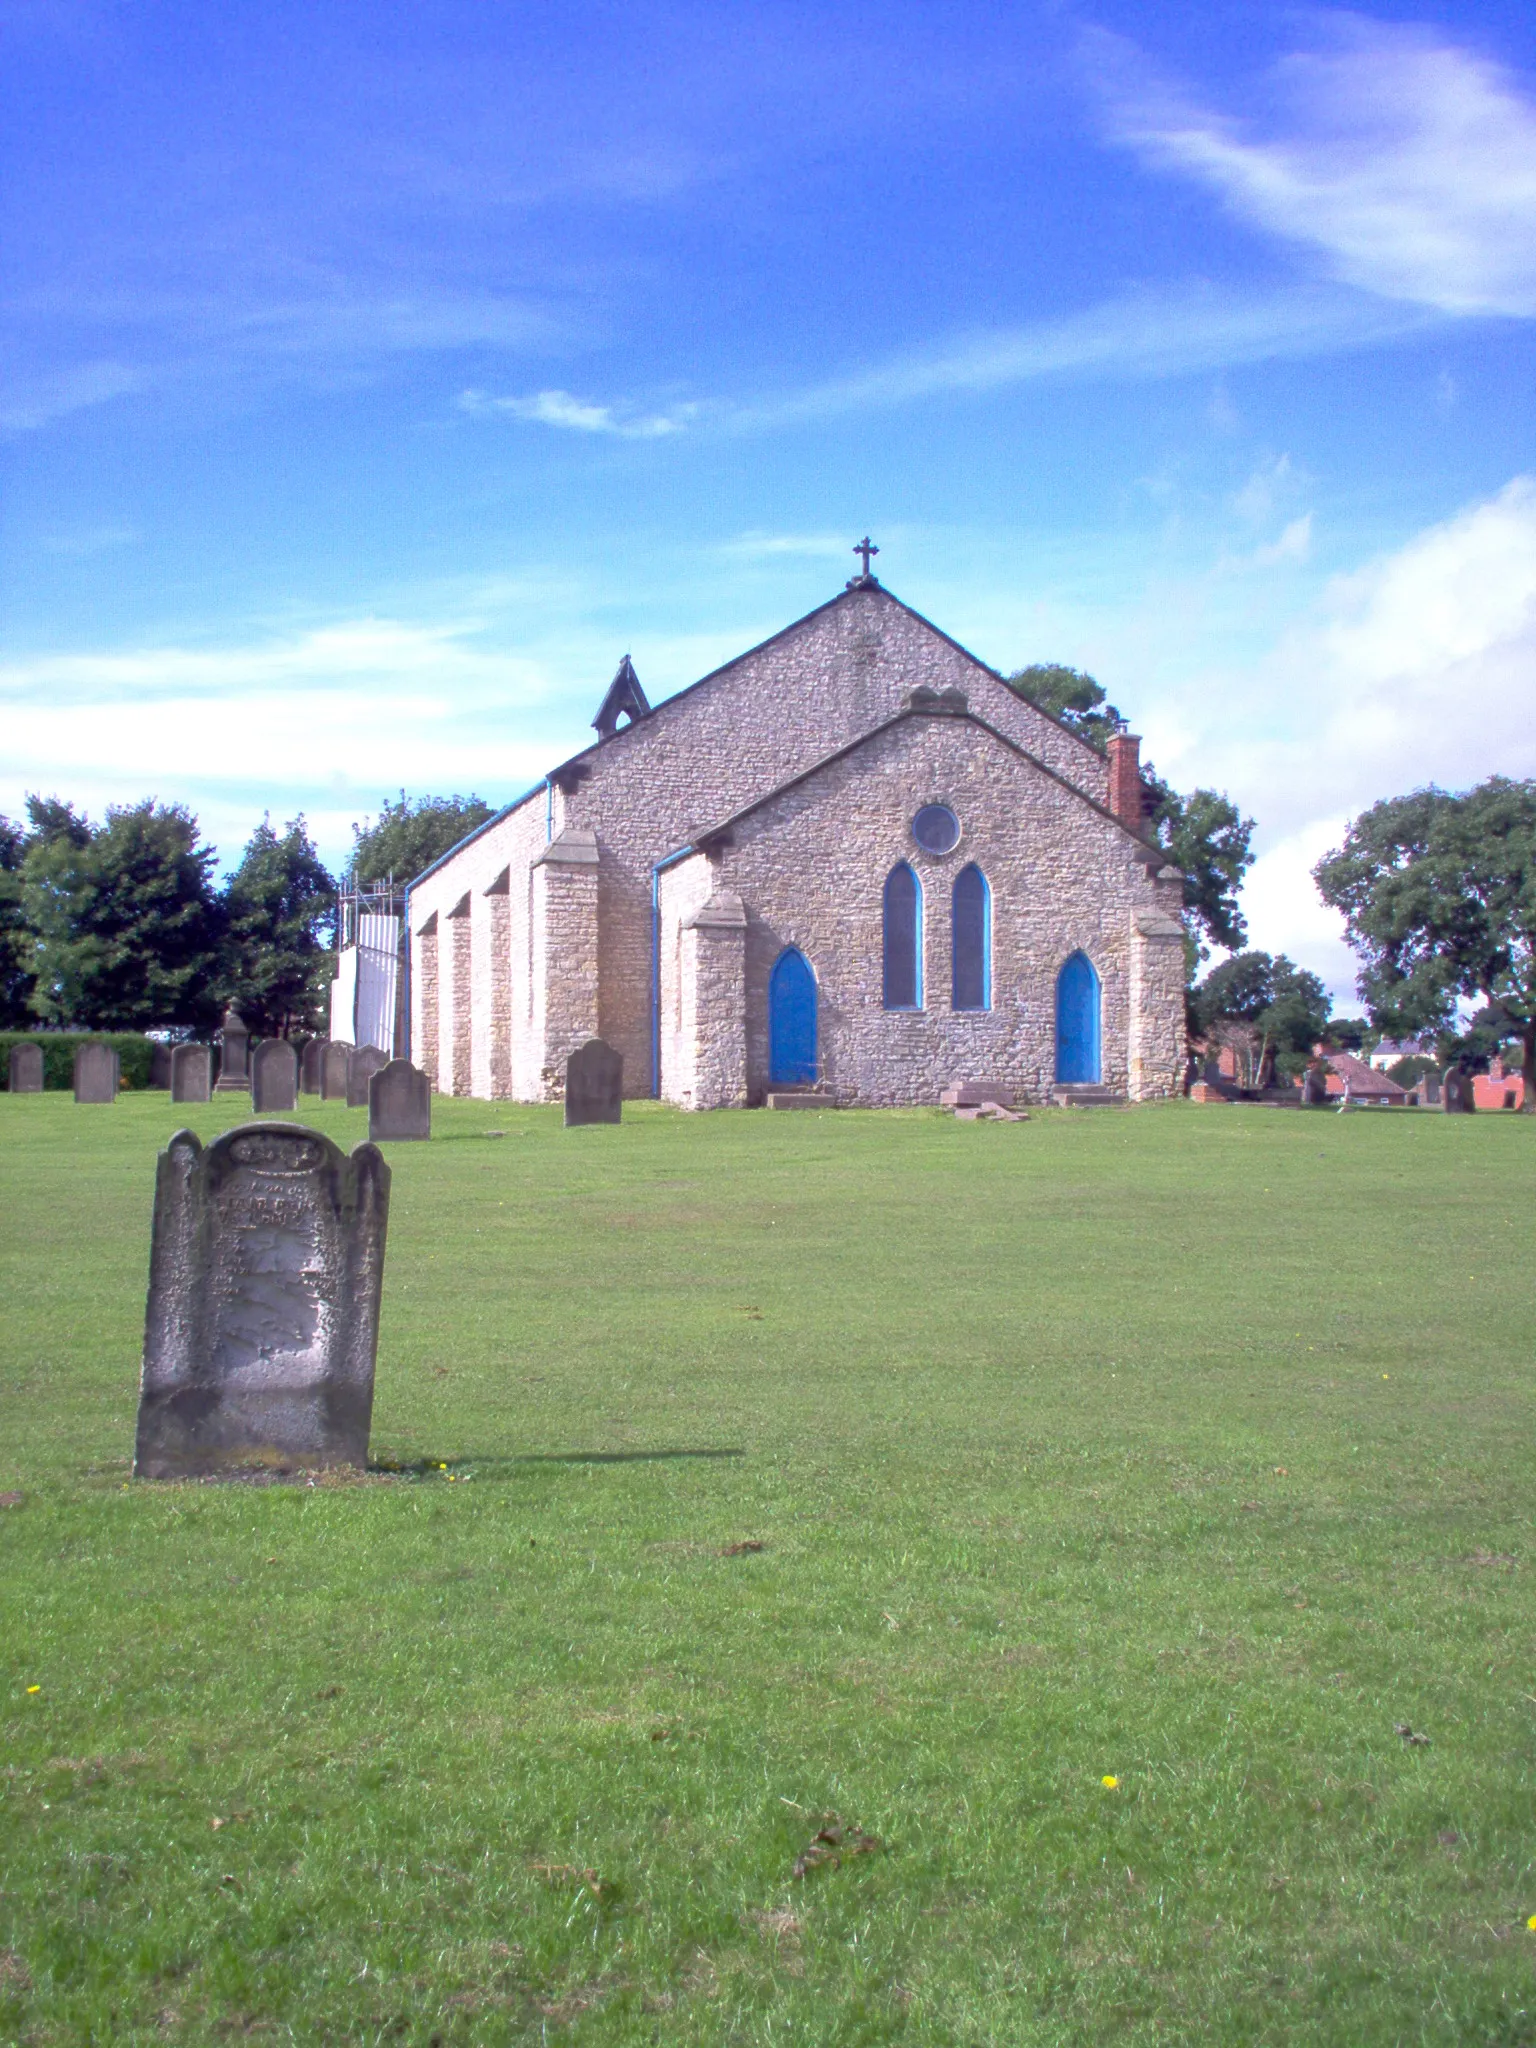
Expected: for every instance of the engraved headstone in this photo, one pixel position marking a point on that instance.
(263, 1314)
(399, 1104)
(234, 1048)
(365, 1062)
(274, 1077)
(160, 1065)
(594, 1084)
(310, 1064)
(1456, 1092)
(191, 1073)
(333, 1071)
(26, 1070)
(96, 1072)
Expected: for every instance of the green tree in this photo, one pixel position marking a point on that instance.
(408, 836)
(279, 905)
(1438, 894)
(1280, 1011)
(18, 945)
(127, 926)
(1071, 697)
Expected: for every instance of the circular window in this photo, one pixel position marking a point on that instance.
(936, 829)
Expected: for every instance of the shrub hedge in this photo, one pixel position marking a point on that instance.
(133, 1049)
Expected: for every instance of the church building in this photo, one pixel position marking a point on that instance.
(851, 859)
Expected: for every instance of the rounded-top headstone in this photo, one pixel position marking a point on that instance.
(274, 1077)
(365, 1062)
(399, 1104)
(594, 1084)
(160, 1065)
(191, 1073)
(1456, 1092)
(333, 1071)
(310, 1065)
(26, 1070)
(96, 1072)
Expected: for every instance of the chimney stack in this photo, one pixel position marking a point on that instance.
(1125, 779)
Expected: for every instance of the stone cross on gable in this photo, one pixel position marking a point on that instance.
(864, 549)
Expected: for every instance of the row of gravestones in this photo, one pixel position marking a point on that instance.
(1451, 1090)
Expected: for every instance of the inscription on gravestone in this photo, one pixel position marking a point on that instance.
(310, 1066)
(365, 1062)
(96, 1072)
(191, 1073)
(262, 1322)
(1456, 1092)
(594, 1084)
(234, 1045)
(26, 1070)
(274, 1076)
(399, 1104)
(333, 1071)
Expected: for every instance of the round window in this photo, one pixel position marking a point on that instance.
(936, 829)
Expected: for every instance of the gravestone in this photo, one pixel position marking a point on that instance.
(234, 1048)
(160, 1066)
(26, 1070)
(1314, 1085)
(96, 1072)
(263, 1315)
(1456, 1092)
(191, 1073)
(274, 1077)
(594, 1084)
(1429, 1089)
(365, 1062)
(311, 1064)
(399, 1104)
(333, 1071)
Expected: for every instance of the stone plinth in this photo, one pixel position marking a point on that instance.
(234, 1055)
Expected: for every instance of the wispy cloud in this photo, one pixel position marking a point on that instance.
(1407, 161)
(583, 415)
(30, 404)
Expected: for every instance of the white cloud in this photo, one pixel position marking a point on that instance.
(583, 416)
(1408, 162)
(27, 405)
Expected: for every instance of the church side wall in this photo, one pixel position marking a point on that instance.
(684, 889)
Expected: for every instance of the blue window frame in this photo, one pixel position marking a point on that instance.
(971, 941)
(1078, 1059)
(903, 939)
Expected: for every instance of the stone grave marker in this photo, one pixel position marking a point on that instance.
(160, 1065)
(191, 1073)
(274, 1077)
(26, 1070)
(365, 1062)
(594, 1084)
(1456, 1092)
(311, 1066)
(399, 1104)
(1429, 1089)
(234, 1049)
(96, 1072)
(333, 1071)
(1314, 1085)
(263, 1315)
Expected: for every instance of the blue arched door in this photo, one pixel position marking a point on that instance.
(1077, 1022)
(791, 1021)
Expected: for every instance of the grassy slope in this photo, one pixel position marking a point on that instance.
(1191, 1446)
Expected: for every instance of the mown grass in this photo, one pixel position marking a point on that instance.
(1191, 1447)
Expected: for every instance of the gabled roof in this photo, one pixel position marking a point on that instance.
(625, 699)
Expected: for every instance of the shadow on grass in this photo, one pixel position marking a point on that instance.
(425, 1465)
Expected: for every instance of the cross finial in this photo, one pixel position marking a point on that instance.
(863, 549)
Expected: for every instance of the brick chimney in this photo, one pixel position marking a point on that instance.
(1125, 779)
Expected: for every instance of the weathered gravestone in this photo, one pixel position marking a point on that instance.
(160, 1066)
(1314, 1085)
(263, 1315)
(274, 1076)
(191, 1073)
(365, 1062)
(399, 1104)
(234, 1047)
(311, 1064)
(1456, 1092)
(96, 1072)
(333, 1071)
(26, 1070)
(594, 1084)
(1429, 1089)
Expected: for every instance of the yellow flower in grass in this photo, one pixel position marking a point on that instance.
(1531, 1923)
(34, 1688)
(1110, 1783)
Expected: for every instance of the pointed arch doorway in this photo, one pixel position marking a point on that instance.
(1078, 1055)
(791, 1021)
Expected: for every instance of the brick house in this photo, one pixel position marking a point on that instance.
(850, 858)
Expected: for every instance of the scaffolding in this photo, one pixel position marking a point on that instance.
(366, 1006)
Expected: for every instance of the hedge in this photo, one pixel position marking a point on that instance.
(133, 1049)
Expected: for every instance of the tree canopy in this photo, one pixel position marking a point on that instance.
(279, 905)
(407, 836)
(17, 972)
(1282, 1008)
(1438, 894)
(1072, 697)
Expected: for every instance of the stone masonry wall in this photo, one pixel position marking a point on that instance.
(565, 955)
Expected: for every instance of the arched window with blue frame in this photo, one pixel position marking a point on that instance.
(1078, 1057)
(791, 1020)
(903, 979)
(971, 941)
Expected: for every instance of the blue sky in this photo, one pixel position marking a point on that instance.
(374, 377)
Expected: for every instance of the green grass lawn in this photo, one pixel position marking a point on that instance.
(860, 1465)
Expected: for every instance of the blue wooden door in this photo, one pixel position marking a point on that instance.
(1077, 1022)
(791, 1021)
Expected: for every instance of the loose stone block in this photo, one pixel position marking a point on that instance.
(96, 1072)
(333, 1071)
(365, 1062)
(160, 1066)
(263, 1315)
(972, 1094)
(191, 1073)
(1456, 1094)
(399, 1104)
(274, 1076)
(234, 1054)
(312, 1064)
(26, 1070)
(594, 1084)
